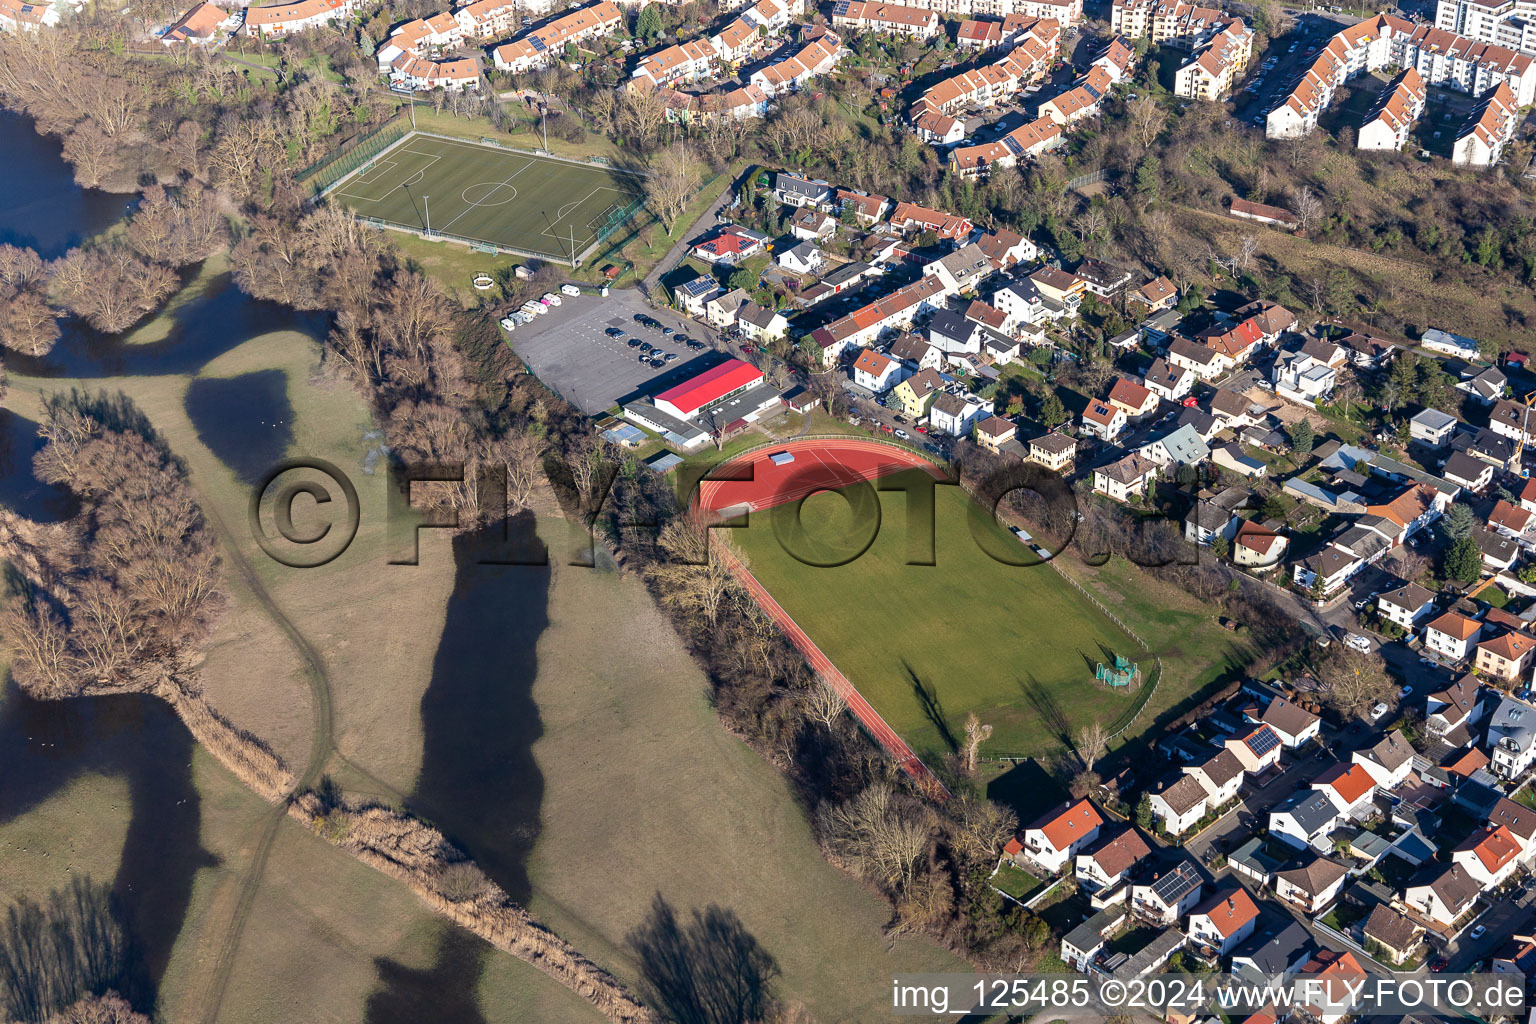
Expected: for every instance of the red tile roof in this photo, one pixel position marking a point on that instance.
(1069, 823)
(709, 386)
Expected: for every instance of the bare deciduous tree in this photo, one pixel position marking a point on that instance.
(976, 733)
(821, 703)
(1092, 742)
(1147, 119)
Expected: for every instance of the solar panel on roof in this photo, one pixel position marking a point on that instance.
(1173, 885)
(1263, 741)
(538, 44)
(1013, 145)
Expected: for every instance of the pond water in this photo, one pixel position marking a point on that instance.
(44, 209)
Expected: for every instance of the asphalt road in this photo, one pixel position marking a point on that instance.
(1311, 32)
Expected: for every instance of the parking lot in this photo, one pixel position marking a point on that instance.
(569, 350)
(1291, 59)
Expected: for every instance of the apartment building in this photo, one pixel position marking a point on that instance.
(1386, 127)
(1441, 58)
(1507, 23)
(692, 61)
(819, 56)
(1482, 139)
(533, 49)
(1031, 58)
(1216, 64)
(1039, 136)
(286, 19)
(893, 19)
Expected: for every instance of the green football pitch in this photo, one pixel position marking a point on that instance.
(927, 644)
(484, 194)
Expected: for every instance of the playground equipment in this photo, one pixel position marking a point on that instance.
(1123, 673)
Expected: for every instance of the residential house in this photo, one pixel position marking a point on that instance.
(877, 372)
(1485, 386)
(1303, 378)
(1329, 981)
(1520, 821)
(1407, 606)
(1134, 400)
(1528, 495)
(1324, 572)
(1506, 657)
(1450, 713)
(1021, 301)
(1102, 279)
(1111, 860)
(1231, 456)
(1181, 446)
(1055, 451)
(1447, 344)
(804, 258)
(1131, 476)
(1169, 894)
(867, 209)
(1178, 806)
(793, 190)
(1258, 748)
(1305, 819)
(1234, 410)
(1510, 520)
(1275, 956)
(1157, 294)
(991, 432)
(760, 324)
(916, 394)
(1499, 552)
(199, 26)
(1007, 248)
(1511, 737)
(1166, 380)
(811, 225)
(961, 270)
(730, 246)
(1222, 921)
(1294, 724)
(1052, 841)
(1388, 761)
(693, 294)
(915, 354)
(1102, 420)
(1489, 855)
(721, 310)
(1313, 885)
(1215, 515)
(537, 47)
(909, 217)
(1083, 944)
(1395, 934)
(1053, 283)
(1463, 470)
(954, 414)
(1204, 362)
(1258, 547)
(1452, 636)
(1442, 894)
(1220, 775)
(1350, 787)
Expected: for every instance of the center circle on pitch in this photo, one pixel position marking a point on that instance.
(489, 193)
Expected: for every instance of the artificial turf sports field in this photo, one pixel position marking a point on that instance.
(489, 195)
(927, 644)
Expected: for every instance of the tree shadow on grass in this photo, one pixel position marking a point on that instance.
(709, 970)
(928, 701)
(1044, 702)
(444, 991)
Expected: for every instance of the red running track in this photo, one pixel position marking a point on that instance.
(819, 465)
(833, 463)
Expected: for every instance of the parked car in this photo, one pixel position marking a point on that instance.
(1358, 642)
(671, 357)
(903, 435)
(1478, 932)
(1406, 691)
(668, 331)
(633, 343)
(1377, 710)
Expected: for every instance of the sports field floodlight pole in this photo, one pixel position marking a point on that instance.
(427, 202)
